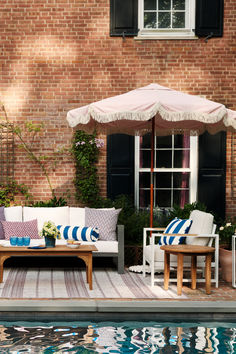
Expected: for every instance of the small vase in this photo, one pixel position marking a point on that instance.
(50, 242)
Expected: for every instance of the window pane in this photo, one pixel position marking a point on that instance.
(178, 4)
(182, 141)
(164, 4)
(164, 141)
(178, 19)
(145, 159)
(181, 180)
(181, 159)
(163, 198)
(164, 20)
(150, 19)
(144, 180)
(150, 5)
(145, 141)
(144, 198)
(163, 180)
(163, 159)
(180, 198)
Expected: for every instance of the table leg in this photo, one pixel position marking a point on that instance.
(1, 269)
(87, 276)
(179, 273)
(208, 273)
(166, 270)
(194, 272)
(2, 260)
(88, 259)
(90, 274)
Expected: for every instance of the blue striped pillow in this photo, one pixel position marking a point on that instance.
(176, 226)
(78, 233)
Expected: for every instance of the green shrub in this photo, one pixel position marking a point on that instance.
(53, 202)
(85, 149)
(10, 190)
(184, 213)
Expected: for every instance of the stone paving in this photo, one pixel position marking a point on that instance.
(225, 292)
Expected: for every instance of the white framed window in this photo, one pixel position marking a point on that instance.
(175, 170)
(166, 19)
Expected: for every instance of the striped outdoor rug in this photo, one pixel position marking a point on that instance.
(45, 283)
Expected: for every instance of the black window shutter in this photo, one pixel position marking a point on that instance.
(123, 17)
(209, 18)
(212, 165)
(120, 165)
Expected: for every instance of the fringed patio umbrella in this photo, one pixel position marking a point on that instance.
(156, 109)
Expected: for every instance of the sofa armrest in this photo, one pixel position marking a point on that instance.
(121, 250)
(120, 234)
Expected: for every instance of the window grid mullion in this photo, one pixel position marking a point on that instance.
(157, 12)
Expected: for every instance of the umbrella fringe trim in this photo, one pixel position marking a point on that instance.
(145, 116)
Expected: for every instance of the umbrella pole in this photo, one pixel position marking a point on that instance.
(152, 172)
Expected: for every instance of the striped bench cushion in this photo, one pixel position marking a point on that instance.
(78, 233)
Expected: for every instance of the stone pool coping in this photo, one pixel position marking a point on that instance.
(111, 310)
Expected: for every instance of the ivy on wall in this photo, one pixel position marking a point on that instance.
(86, 151)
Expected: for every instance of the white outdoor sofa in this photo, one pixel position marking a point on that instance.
(68, 216)
(201, 232)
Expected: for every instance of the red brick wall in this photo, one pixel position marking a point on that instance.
(57, 55)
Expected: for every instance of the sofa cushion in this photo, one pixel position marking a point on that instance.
(102, 246)
(104, 220)
(78, 233)
(2, 218)
(202, 224)
(176, 226)
(77, 216)
(59, 215)
(13, 213)
(20, 229)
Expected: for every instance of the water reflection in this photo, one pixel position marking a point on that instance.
(116, 338)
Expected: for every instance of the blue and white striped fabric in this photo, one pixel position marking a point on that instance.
(78, 233)
(176, 226)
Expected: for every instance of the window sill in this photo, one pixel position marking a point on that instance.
(164, 36)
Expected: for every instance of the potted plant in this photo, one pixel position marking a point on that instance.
(225, 251)
(50, 233)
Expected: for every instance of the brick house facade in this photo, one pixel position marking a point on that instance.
(57, 55)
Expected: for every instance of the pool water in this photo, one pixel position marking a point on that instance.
(117, 337)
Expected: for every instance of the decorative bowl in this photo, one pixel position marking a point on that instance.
(73, 244)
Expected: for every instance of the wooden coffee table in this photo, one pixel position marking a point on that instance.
(84, 252)
(187, 250)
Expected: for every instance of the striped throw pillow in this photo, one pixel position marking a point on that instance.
(176, 226)
(78, 233)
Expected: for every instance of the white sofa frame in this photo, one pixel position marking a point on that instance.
(150, 236)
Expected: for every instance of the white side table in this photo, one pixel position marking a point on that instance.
(233, 261)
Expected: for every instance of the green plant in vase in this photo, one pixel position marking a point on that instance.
(225, 234)
(50, 233)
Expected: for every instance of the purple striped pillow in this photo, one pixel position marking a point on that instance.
(20, 229)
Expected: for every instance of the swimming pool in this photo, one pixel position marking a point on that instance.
(117, 337)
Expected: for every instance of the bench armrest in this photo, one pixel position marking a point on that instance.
(120, 235)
